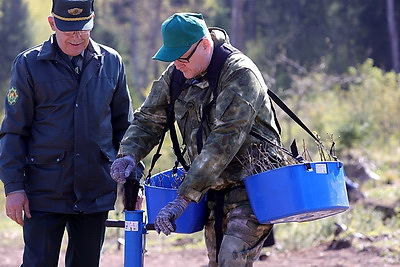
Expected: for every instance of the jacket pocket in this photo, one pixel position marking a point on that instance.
(45, 156)
(181, 109)
(45, 173)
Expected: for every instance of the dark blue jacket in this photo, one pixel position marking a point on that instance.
(60, 136)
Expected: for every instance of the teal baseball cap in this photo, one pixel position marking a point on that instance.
(179, 32)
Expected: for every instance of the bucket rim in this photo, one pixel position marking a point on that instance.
(340, 165)
(289, 217)
(168, 173)
(161, 188)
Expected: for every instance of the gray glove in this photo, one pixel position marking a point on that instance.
(165, 220)
(122, 168)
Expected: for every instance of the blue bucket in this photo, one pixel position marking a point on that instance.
(298, 193)
(162, 189)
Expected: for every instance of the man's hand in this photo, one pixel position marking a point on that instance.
(122, 168)
(16, 204)
(165, 220)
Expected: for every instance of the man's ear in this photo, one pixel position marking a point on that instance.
(52, 24)
(206, 44)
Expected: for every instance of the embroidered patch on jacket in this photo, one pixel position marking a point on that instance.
(12, 96)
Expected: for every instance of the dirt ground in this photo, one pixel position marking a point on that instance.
(311, 257)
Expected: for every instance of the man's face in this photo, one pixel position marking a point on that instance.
(71, 43)
(195, 61)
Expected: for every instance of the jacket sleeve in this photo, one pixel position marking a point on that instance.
(15, 129)
(149, 121)
(236, 109)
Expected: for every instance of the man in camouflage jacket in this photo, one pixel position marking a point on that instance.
(242, 106)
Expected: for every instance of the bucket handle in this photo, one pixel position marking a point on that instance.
(308, 166)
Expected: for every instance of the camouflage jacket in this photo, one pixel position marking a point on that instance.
(242, 105)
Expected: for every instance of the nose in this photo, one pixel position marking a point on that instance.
(77, 34)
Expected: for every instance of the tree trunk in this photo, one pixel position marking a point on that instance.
(237, 23)
(134, 47)
(156, 29)
(393, 37)
(251, 24)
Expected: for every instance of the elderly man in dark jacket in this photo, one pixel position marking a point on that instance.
(61, 131)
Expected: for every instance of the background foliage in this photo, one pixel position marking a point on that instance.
(323, 57)
(332, 61)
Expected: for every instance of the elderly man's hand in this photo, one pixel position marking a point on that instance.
(16, 205)
(165, 220)
(122, 168)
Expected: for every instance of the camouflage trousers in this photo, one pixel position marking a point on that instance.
(243, 235)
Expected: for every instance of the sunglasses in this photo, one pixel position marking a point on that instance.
(186, 59)
(84, 33)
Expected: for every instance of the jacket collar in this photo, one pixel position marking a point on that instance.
(49, 49)
(219, 36)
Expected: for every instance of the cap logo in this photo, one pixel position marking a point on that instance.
(75, 11)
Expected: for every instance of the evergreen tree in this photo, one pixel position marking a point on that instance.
(16, 37)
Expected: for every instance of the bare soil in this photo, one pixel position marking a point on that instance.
(10, 256)
(311, 257)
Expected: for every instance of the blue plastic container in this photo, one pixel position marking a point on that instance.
(161, 190)
(298, 193)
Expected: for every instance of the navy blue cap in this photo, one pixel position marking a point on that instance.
(73, 15)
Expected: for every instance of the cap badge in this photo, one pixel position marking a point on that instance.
(75, 11)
